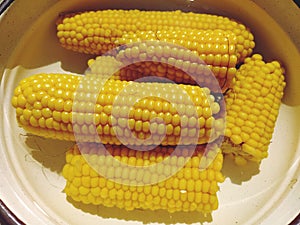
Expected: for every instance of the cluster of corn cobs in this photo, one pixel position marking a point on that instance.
(147, 144)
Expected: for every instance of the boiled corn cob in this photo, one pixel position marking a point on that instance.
(97, 32)
(130, 179)
(209, 52)
(161, 59)
(204, 42)
(252, 108)
(60, 106)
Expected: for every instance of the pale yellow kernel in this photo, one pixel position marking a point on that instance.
(42, 122)
(169, 129)
(209, 123)
(245, 136)
(192, 122)
(31, 98)
(203, 175)
(236, 139)
(21, 101)
(57, 116)
(167, 117)
(249, 124)
(127, 195)
(76, 181)
(211, 175)
(198, 185)
(252, 143)
(103, 119)
(74, 190)
(27, 114)
(78, 118)
(205, 186)
(86, 181)
(182, 184)
(215, 107)
(59, 104)
(236, 130)
(158, 106)
(187, 173)
(184, 121)
(138, 125)
(250, 150)
(207, 112)
(205, 198)
(65, 117)
(201, 121)
(190, 185)
(68, 106)
(33, 121)
(145, 115)
(94, 181)
(176, 120)
(239, 122)
(153, 127)
(83, 190)
(202, 132)
(49, 123)
(104, 192)
(255, 136)
(138, 114)
(190, 110)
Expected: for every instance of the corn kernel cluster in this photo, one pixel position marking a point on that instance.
(96, 32)
(160, 59)
(108, 66)
(180, 114)
(191, 188)
(252, 109)
(106, 110)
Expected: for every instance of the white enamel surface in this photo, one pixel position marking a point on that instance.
(30, 167)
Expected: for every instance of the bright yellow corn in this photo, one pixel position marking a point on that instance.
(61, 105)
(108, 66)
(97, 32)
(214, 69)
(252, 108)
(143, 180)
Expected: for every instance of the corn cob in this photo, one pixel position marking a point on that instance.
(210, 52)
(60, 106)
(252, 108)
(143, 181)
(97, 32)
(161, 59)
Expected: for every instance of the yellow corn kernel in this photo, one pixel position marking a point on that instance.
(249, 129)
(122, 112)
(186, 193)
(97, 32)
(172, 62)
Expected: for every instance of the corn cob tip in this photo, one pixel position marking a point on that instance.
(62, 15)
